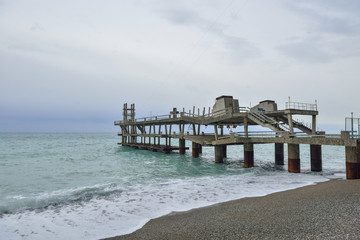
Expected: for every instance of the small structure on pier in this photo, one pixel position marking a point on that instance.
(155, 133)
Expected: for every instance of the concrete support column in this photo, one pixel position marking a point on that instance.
(352, 162)
(293, 158)
(248, 155)
(279, 154)
(291, 127)
(182, 148)
(219, 154)
(313, 125)
(246, 126)
(224, 151)
(316, 158)
(195, 150)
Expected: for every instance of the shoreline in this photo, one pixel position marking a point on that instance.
(320, 211)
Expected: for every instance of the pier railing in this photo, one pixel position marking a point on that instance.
(301, 106)
(272, 134)
(189, 114)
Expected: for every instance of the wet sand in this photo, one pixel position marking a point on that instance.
(329, 210)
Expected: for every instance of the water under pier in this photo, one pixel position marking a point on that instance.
(155, 133)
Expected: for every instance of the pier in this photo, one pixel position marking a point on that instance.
(156, 132)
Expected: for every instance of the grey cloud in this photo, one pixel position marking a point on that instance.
(182, 17)
(306, 51)
(36, 27)
(338, 26)
(190, 18)
(320, 51)
(348, 6)
(333, 29)
(348, 24)
(240, 49)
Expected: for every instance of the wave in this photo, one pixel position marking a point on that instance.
(19, 203)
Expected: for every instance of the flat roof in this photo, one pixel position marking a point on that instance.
(224, 96)
(267, 101)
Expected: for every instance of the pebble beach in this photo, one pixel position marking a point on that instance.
(327, 210)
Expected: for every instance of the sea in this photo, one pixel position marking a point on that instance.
(86, 186)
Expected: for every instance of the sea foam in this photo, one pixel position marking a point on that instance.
(126, 211)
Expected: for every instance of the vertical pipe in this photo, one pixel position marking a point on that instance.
(166, 136)
(248, 155)
(170, 135)
(154, 134)
(316, 158)
(352, 124)
(200, 148)
(279, 154)
(293, 158)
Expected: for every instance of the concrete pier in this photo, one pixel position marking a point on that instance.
(248, 155)
(147, 132)
(293, 158)
(279, 154)
(352, 162)
(195, 149)
(316, 158)
(182, 148)
(219, 154)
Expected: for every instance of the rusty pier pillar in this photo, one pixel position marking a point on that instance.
(248, 155)
(195, 149)
(352, 162)
(182, 148)
(316, 158)
(279, 154)
(219, 154)
(293, 158)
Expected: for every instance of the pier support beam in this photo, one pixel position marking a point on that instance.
(352, 162)
(200, 148)
(279, 154)
(293, 158)
(219, 154)
(316, 158)
(182, 148)
(248, 155)
(195, 149)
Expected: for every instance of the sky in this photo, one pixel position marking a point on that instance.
(69, 66)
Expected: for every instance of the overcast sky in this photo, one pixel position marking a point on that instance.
(70, 65)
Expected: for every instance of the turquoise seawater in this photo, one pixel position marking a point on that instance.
(85, 186)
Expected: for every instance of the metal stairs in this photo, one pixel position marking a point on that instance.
(266, 121)
(297, 125)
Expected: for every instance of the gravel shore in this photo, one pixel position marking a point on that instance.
(328, 210)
